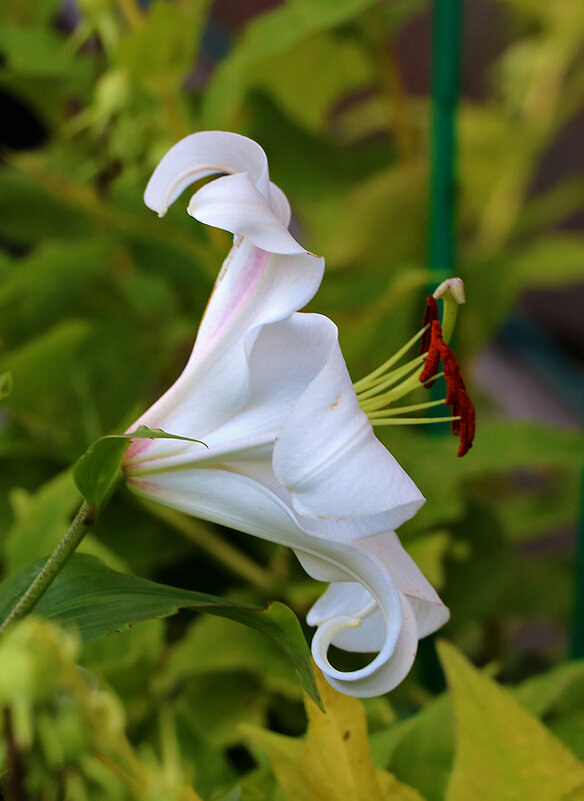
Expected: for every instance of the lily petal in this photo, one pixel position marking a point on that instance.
(344, 598)
(388, 669)
(239, 501)
(234, 204)
(200, 155)
(430, 612)
(333, 465)
(371, 615)
(254, 289)
(279, 204)
(289, 455)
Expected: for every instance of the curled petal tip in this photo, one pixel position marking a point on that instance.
(234, 204)
(243, 201)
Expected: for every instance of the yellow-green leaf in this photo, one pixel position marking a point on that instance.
(5, 385)
(503, 752)
(333, 762)
(394, 790)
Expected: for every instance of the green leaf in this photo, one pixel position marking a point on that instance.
(40, 520)
(311, 107)
(43, 398)
(333, 760)
(35, 51)
(98, 470)
(269, 35)
(30, 212)
(374, 209)
(97, 600)
(502, 751)
(5, 385)
(418, 750)
(558, 698)
(203, 651)
(500, 447)
(46, 287)
(159, 53)
(554, 260)
(552, 207)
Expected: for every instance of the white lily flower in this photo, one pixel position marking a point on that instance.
(290, 456)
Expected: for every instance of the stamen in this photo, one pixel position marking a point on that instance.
(369, 380)
(409, 383)
(464, 417)
(414, 407)
(432, 360)
(404, 421)
(387, 384)
(454, 382)
(430, 316)
(467, 425)
(383, 382)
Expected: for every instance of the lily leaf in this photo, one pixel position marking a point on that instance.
(96, 600)
(98, 470)
(333, 761)
(502, 751)
(5, 385)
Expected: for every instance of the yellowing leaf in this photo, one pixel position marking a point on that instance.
(503, 753)
(394, 790)
(333, 762)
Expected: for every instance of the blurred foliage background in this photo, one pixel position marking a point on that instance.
(100, 300)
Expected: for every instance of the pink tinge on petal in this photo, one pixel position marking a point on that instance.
(231, 292)
(137, 447)
(254, 289)
(257, 286)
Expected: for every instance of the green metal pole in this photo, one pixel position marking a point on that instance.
(446, 49)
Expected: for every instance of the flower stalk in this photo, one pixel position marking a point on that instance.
(51, 568)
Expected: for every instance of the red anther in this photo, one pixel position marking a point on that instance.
(451, 373)
(456, 395)
(430, 316)
(432, 360)
(467, 422)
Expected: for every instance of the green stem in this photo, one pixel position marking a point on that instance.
(51, 568)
